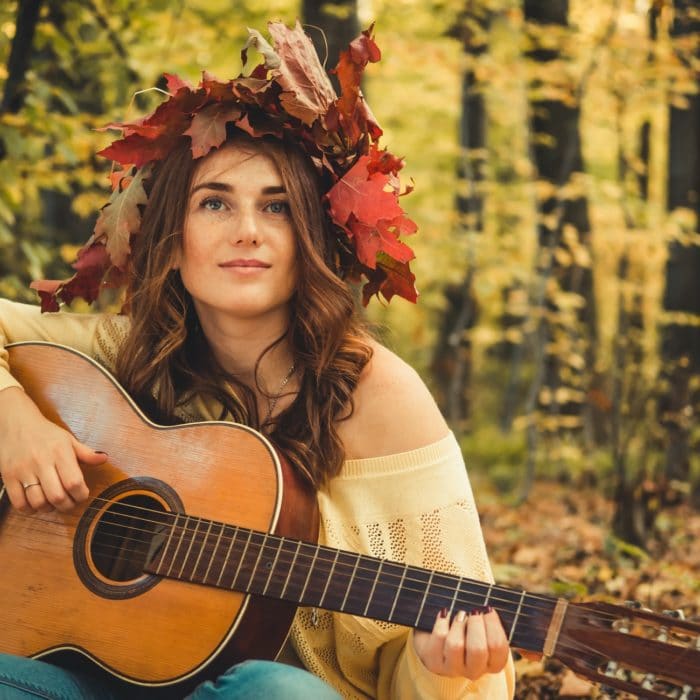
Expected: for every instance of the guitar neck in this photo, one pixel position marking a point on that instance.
(214, 554)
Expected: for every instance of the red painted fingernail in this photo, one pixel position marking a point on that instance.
(444, 612)
(476, 611)
(488, 609)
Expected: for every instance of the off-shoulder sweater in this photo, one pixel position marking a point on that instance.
(415, 507)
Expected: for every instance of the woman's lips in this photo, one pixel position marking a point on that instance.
(245, 263)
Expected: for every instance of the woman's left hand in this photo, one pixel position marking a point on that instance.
(470, 646)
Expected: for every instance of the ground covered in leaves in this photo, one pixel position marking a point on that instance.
(560, 543)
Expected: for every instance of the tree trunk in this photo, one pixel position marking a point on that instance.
(20, 55)
(680, 341)
(331, 26)
(452, 361)
(564, 244)
(634, 513)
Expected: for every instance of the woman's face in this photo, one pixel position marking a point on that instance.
(238, 256)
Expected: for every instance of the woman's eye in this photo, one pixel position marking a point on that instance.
(278, 207)
(212, 204)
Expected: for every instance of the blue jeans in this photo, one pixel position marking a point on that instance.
(29, 679)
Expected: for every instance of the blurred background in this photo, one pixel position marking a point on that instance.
(554, 148)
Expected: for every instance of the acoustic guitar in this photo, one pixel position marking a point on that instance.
(198, 543)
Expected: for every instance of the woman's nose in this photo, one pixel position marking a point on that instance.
(247, 228)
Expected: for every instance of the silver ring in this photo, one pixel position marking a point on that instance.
(26, 486)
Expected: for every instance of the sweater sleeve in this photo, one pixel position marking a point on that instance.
(416, 507)
(96, 335)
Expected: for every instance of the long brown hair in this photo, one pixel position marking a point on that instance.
(166, 360)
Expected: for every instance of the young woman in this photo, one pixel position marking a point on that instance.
(236, 309)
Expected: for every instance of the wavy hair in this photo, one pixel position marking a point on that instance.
(166, 360)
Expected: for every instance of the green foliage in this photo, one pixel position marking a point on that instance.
(90, 61)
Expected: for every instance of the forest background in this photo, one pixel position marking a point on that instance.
(554, 147)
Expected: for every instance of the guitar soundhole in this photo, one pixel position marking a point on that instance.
(127, 534)
(125, 526)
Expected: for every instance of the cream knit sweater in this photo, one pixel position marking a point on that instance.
(416, 507)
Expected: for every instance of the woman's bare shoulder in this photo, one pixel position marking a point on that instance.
(393, 410)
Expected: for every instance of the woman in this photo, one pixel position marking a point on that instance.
(237, 309)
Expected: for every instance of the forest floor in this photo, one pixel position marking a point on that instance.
(559, 542)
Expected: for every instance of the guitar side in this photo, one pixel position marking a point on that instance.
(54, 589)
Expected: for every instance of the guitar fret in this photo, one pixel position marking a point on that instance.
(515, 619)
(213, 553)
(201, 550)
(328, 580)
(308, 575)
(228, 554)
(488, 595)
(425, 597)
(291, 569)
(396, 595)
(189, 549)
(257, 561)
(167, 544)
(454, 599)
(177, 549)
(374, 585)
(272, 566)
(350, 582)
(240, 561)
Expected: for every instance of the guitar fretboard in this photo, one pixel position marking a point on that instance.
(234, 558)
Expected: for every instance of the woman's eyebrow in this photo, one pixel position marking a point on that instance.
(224, 187)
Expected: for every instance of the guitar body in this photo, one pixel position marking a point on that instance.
(66, 581)
(144, 579)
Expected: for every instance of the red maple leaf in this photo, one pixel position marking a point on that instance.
(138, 150)
(121, 217)
(92, 264)
(175, 83)
(371, 240)
(215, 89)
(307, 91)
(350, 111)
(363, 194)
(390, 278)
(47, 293)
(208, 127)
(351, 66)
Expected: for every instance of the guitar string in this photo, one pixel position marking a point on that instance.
(495, 598)
(164, 514)
(577, 647)
(562, 646)
(272, 547)
(548, 599)
(436, 596)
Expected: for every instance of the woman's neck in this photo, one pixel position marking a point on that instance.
(238, 345)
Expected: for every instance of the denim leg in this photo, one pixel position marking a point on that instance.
(265, 680)
(29, 679)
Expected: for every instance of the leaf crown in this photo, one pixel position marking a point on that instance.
(289, 93)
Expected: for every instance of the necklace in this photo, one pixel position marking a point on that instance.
(276, 397)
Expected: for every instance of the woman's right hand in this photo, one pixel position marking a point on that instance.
(39, 461)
